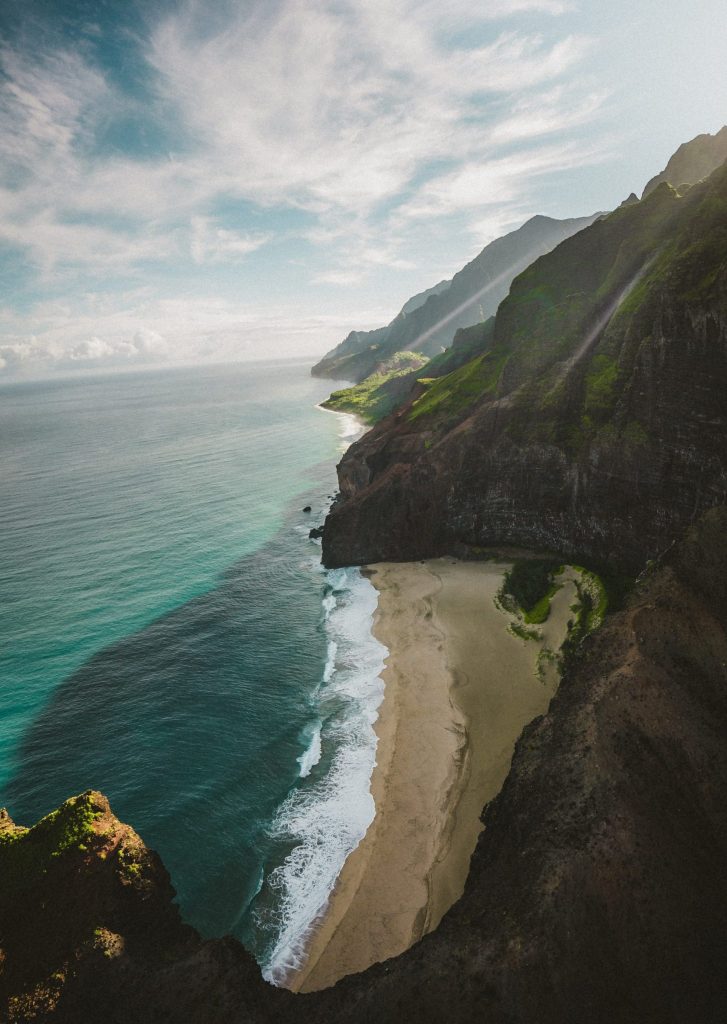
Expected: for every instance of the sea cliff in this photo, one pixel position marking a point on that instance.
(593, 423)
(596, 891)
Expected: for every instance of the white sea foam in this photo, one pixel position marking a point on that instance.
(327, 815)
(351, 427)
(312, 754)
(330, 661)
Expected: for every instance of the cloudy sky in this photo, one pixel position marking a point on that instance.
(185, 181)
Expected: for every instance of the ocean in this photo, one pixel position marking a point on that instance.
(170, 637)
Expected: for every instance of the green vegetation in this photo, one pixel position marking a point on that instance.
(601, 386)
(452, 394)
(129, 864)
(390, 386)
(546, 657)
(379, 394)
(593, 598)
(578, 628)
(540, 611)
(25, 854)
(517, 629)
(564, 345)
(529, 587)
(527, 591)
(467, 343)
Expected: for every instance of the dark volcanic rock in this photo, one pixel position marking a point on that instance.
(89, 932)
(597, 891)
(596, 422)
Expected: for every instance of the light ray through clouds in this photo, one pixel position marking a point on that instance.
(288, 163)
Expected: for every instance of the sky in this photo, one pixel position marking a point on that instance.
(187, 182)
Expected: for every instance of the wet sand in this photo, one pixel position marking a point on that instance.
(459, 688)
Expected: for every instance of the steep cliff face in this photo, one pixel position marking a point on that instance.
(596, 893)
(595, 421)
(693, 161)
(472, 295)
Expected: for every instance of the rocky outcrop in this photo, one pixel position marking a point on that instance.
(89, 932)
(596, 893)
(693, 161)
(594, 423)
(472, 295)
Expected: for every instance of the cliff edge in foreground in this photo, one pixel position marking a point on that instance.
(597, 891)
(89, 932)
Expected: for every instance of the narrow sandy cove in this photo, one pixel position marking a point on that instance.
(459, 690)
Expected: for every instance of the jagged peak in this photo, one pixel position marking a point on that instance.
(692, 161)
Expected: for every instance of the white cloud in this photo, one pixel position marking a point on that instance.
(339, 109)
(150, 343)
(498, 182)
(374, 118)
(212, 243)
(345, 278)
(138, 329)
(336, 109)
(92, 348)
(533, 116)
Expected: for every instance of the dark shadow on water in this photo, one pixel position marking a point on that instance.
(192, 726)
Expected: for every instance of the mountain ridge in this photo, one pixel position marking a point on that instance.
(582, 399)
(472, 295)
(692, 161)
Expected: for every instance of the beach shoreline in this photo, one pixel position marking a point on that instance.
(459, 689)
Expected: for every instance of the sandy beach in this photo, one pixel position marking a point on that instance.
(459, 688)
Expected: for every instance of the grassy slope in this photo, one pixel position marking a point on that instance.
(563, 341)
(380, 393)
(391, 386)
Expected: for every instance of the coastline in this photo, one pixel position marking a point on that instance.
(347, 435)
(459, 688)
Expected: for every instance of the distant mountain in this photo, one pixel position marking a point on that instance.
(471, 296)
(418, 300)
(693, 161)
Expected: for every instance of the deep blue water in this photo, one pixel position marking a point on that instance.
(170, 638)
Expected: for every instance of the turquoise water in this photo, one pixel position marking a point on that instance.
(170, 637)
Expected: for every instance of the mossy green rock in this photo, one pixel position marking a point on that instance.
(89, 930)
